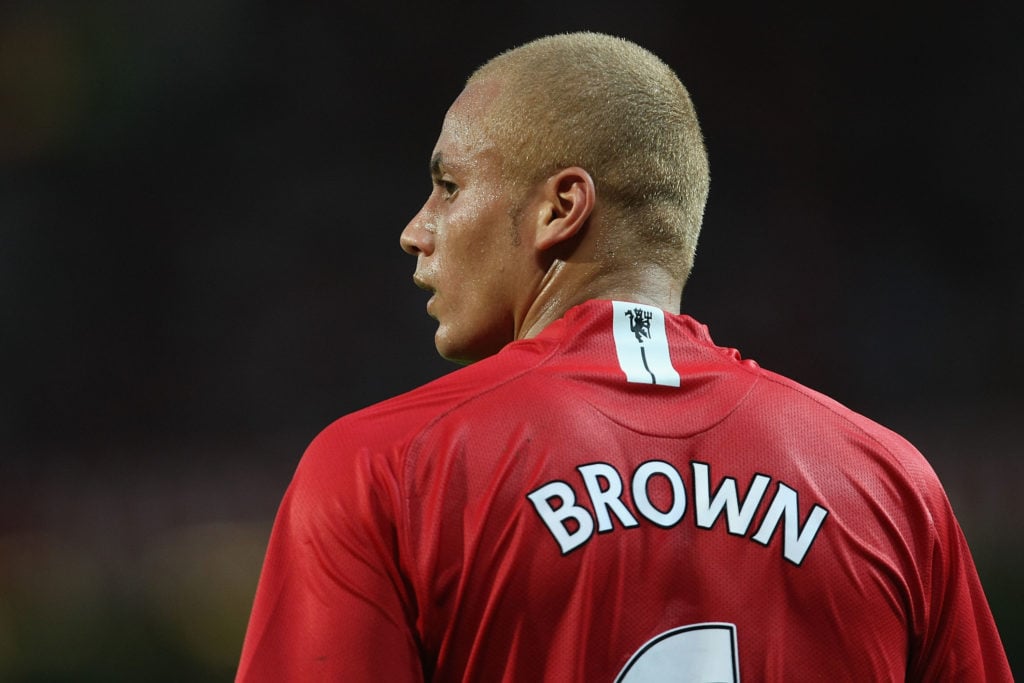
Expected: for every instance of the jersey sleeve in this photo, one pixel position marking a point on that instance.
(959, 640)
(332, 603)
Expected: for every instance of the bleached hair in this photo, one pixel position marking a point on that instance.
(615, 109)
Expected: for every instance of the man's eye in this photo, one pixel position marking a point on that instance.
(448, 187)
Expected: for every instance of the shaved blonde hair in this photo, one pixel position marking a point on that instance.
(615, 109)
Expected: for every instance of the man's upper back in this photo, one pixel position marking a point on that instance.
(618, 495)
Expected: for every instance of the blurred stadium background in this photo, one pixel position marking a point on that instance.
(200, 204)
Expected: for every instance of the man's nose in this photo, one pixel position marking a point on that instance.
(418, 236)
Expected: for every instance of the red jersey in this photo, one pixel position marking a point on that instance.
(617, 499)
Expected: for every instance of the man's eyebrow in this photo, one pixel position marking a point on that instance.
(436, 162)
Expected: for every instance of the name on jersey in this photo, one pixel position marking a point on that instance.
(657, 493)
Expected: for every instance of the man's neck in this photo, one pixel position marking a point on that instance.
(566, 284)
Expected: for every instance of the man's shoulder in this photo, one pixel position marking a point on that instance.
(852, 437)
(393, 423)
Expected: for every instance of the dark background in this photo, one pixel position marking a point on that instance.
(200, 204)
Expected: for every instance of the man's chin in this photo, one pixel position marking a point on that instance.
(464, 353)
(454, 355)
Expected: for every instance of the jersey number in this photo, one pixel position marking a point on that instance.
(699, 653)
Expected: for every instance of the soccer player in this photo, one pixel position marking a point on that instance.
(602, 494)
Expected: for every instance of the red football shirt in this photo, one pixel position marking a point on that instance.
(617, 499)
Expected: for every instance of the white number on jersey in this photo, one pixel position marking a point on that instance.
(699, 653)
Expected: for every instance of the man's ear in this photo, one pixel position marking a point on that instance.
(567, 201)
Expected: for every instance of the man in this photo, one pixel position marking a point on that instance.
(605, 495)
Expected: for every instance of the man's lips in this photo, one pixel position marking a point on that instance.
(421, 282)
(424, 285)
